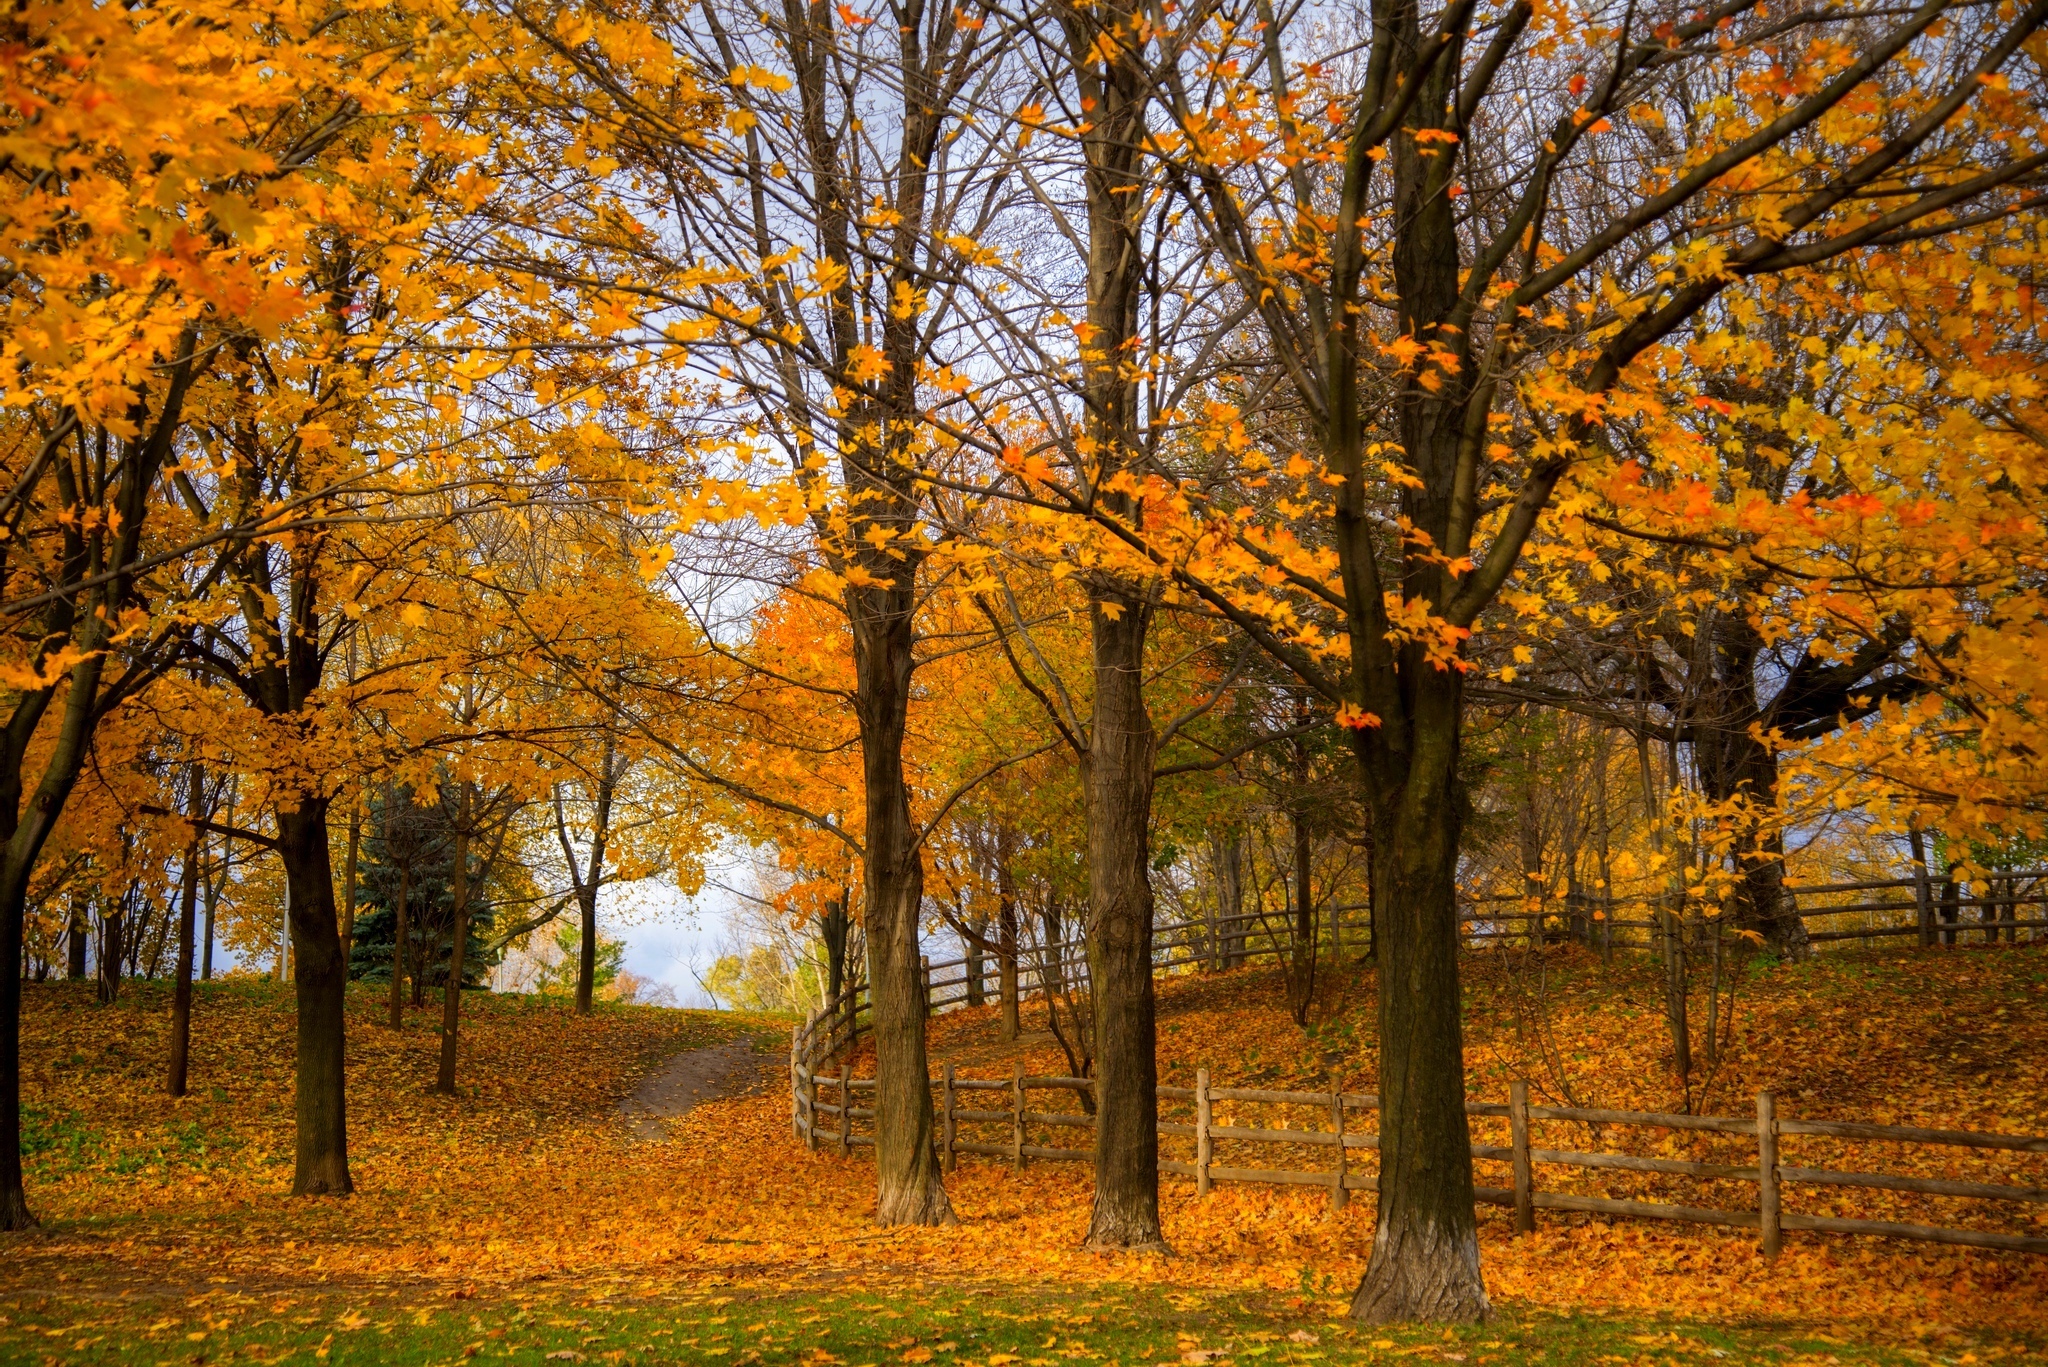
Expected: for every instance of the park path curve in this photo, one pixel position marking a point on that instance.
(734, 1068)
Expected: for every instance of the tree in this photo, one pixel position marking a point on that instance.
(830, 374)
(559, 963)
(411, 853)
(188, 906)
(586, 879)
(1458, 342)
(141, 265)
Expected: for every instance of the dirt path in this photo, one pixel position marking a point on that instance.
(719, 1070)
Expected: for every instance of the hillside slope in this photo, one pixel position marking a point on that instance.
(532, 1178)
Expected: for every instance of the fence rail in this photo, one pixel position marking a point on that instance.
(1933, 915)
(818, 1123)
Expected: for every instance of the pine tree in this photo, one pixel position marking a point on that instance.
(414, 842)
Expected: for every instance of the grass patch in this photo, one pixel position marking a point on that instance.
(854, 1325)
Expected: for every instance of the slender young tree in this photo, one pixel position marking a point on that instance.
(587, 877)
(188, 907)
(857, 144)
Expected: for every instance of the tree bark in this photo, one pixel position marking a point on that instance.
(14, 1211)
(1425, 1251)
(75, 938)
(1125, 1213)
(1736, 765)
(181, 989)
(83, 621)
(586, 949)
(910, 1190)
(1008, 1024)
(1670, 931)
(111, 953)
(17, 863)
(1226, 859)
(1301, 977)
(836, 927)
(321, 1093)
(212, 904)
(451, 991)
(976, 967)
(1052, 955)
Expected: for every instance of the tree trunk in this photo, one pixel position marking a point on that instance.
(1119, 778)
(910, 1190)
(1008, 1024)
(1234, 931)
(586, 949)
(212, 904)
(181, 988)
(976, 966)
(1668, 917)
(1425, 1251)
(14, 1211)
(1052, 955)
(836, 928)
(1301, 974)
(399, 932)
(1226, 857)
(321, 1100)
(1738, 767)
(451, 990)
(111, 953)
(592, 878)
(24, 828)
(75, 931)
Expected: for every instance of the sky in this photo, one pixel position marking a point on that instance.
(671, 939)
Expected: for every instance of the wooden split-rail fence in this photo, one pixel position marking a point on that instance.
(966, 1102)
(1929, 910)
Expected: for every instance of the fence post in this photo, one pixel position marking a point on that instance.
(796, 1084)
(811, 1108)
(924, 978)
(1923, 899)
(1017, 1116)
(1337, 1193)
(845, 1110)
(1518, 1131)
(1769, 1235)
(803, 1082)
(950, 1159)
(1202, 1145)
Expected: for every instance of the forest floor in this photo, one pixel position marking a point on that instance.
(524, 1221)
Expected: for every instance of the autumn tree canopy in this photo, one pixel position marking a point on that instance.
(1028, 474)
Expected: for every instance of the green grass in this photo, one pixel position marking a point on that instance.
(955, 1326)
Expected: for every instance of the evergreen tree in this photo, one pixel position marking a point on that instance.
(412, 843)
